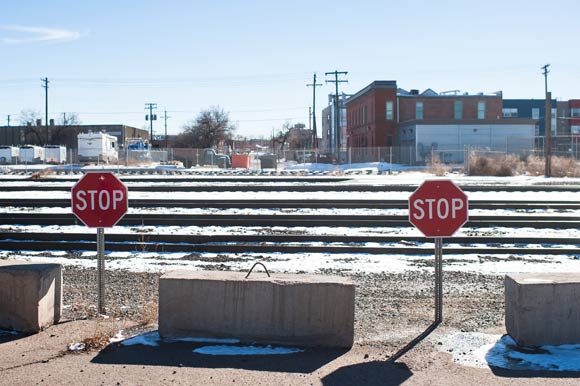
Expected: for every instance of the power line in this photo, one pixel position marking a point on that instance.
(151, 117)
(45, 86)
(336, 81)
(548, 117)
(165, 117)
(314, 134)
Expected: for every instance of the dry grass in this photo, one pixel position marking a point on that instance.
(565, 167)
(149, 314)
(437, 168)
(41, 174)
(511, 165)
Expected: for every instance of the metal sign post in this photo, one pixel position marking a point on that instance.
(99, 200)
(101, 269)
(438, 208)
(438, 280)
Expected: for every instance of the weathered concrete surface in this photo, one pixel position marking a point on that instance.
(543, 308)
(305, 310)
(30, 295)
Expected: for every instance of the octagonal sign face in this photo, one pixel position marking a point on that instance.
(438, 208)
(99, 199)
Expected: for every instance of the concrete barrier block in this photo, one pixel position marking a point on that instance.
(30, 295)
(304, 310)
(543, 308)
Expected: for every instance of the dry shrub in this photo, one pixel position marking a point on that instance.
(41, 174)
(480, 165)
(500, 166)
(149, 314)
(98, 335)
(565, 167)
(535, 166)
(437, 168)
(510, 165)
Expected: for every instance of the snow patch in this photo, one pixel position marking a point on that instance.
(487, 350)
(245, 350)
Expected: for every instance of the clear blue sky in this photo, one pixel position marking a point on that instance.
(105, 59)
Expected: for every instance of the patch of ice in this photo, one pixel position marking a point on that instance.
(203, 340)
(148, 339)
(488, 350)
(508, 355)
(119, 337)
(245, 350)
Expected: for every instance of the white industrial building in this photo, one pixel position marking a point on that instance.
(448, 141)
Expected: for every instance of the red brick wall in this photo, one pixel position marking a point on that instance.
(375, 130)
(444, 107)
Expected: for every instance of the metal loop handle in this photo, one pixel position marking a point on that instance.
(253, 266)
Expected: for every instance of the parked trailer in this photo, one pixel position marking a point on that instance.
(30, 154)
(54, 154)
(8, 154)
(97, 147)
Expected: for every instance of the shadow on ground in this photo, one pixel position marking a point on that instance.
(369, 374)
(509, 373)
(180, 354)
(6, 336)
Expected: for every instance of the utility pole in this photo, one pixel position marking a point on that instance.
(151, 117)
(45, 86)
(548, 118)
(336, 81)
(314, 133)
(8, 120)
(165, 116)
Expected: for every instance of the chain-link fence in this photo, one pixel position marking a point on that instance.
(411, 155)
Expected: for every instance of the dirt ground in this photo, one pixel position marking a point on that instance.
(42, 359)
(391, 310)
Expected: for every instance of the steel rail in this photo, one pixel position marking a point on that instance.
(297, 203)
(22, 245)
(323, 187)
(278, 238)
(284, 220)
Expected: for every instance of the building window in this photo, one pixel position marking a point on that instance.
(535, 113)
(458, 110)
(574, 129)
(481, 110)
(510, 113)
(575, 112)
(419, 110)
(365, 117)
(389, 110)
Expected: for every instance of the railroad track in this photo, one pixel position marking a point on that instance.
(285, 220)
(237, 186)
(296, 203)
(286, 244)
(26, 213)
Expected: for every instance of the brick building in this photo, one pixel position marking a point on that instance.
(574, 117)
(371, 115)
(381, 117)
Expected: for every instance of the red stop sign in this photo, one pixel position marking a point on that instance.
(438, 208)
(99, 199)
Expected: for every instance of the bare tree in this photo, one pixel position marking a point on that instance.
(34, 134)
(209, 129)
(294, 135)
(66, 131)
